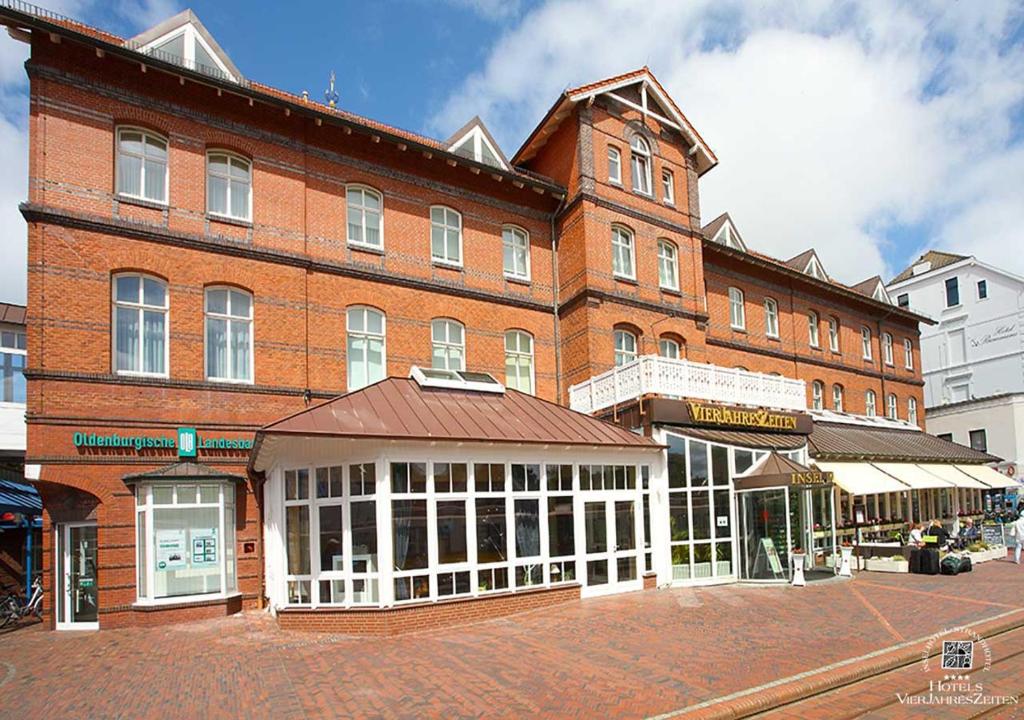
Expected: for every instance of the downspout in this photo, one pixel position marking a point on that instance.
(555, 300)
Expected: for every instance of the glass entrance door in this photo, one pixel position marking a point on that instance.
(764, 534)
(612, 555)
(77, 595)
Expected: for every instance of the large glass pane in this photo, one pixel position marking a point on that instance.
(700, 508)
(154, 333)
(409, 533)
(239, 199)
(82, 569)
(491, 530)
(217, 195)
(451, 531)
(678, 516)
(156, 177)
(676, 462)
(625, 525)
(129, 175)
(595, 527)
(297, 535)
(240, 361)
(762, 534)
(216, 348)
(186, 546)
(364, 537)
(720, 464)
(127, 339)
(126, 288)
(527, 520)
(722, 515)
(561, 529)
(698, 463)
(331, 534)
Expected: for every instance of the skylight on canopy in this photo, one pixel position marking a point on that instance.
(455, 379)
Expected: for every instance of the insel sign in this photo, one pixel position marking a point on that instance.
(759, 418)
(187, 441)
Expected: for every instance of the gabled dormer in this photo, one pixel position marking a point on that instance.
(723, 231)
(873, 287)
(184, 40)
(808, 263)
(475, 142)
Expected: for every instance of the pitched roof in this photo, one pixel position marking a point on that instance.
(13, 314)
(477, 125)
(181, 471)
(799, 262)
(401, 409)
(713, 228)
(836, 441)
(937, 258)
(19, 497)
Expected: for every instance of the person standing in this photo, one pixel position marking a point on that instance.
(1017, 530)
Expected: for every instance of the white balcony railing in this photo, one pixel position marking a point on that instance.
(653, 375)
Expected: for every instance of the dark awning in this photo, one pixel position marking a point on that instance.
(16, 497)
(775, 470)
(182, 472)
(855, 442)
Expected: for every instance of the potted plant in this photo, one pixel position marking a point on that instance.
(798, 557)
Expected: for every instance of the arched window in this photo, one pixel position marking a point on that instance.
(891, 407)
(366, 348)
(812, 329)
(516, 248)
(448, 348)
(771, 318)
(908, 354)
(668, 348)
(622, 252)
(668, 265)
(445, 235)
(641, 165)
(141, 165)
(614, 165)
(737, 314)
(870, 406)
(887, 353)
(140, 325)
(837, 397)
(865, 342)
(228, 185)
(229, 336)
(912, 410)
(817, 395)
(625, 347)
(365, 209)
(833, 334)
(519, 373)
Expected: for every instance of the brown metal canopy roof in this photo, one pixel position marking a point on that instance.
(775, 470)
(182, 471)
(840, 441)
(400, 409)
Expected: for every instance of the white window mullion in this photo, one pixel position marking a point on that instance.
(385, 550)
(432, 552)
(221, 539)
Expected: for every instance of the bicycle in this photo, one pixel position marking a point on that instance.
(14, 606)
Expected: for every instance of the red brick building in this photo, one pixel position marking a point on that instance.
(208, 254)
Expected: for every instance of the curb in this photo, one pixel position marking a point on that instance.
(806, 685)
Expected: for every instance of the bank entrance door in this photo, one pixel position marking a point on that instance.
(611, 544)
(77, 593)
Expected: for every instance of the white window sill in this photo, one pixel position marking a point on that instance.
(185, 599)
(450, 264)
(627, 278)
(229, 219)
(518, 279)
(229, 381)
(132, 373)
(739, 328)
(616, 183)
(142, 201)
(366, 247)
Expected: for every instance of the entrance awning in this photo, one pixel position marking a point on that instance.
(990, 477)
(862, 478)
(954, 477)
(774, 470)
(914, 475)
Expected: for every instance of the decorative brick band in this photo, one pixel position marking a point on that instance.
(425, 616)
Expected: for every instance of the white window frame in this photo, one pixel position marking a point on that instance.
(668, 264)
(771, 317)
(519, 354)
(142, 179)
(231, 157)
(614, 162)
(912, 410)
(445, 226)
(511, 236)
(640, 165)
(623, 354)
(15, 351)
(817, 395)
(833, 334)
(229, 318)
(446, 345)
(141, 308)
(908, 354)
(870, 403)
(668, 186)
(737, 310)
(361, 208)
(865, 342)
(887, 350)
(892, 405)
(813, 329)
(837, 397)
(669, 348)
(623, 246)
(349, 333)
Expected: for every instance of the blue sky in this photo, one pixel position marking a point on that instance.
(870, 131)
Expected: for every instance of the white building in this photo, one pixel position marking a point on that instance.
(973, 358)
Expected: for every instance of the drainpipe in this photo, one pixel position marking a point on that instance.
(555, 301)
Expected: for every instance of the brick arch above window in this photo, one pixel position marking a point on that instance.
(635, 127)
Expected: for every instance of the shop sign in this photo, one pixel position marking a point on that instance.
(186, 441)
(746, 418)
(812, 477)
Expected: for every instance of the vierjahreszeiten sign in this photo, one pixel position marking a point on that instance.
(741, 418)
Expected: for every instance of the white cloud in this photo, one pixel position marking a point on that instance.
(835, 124)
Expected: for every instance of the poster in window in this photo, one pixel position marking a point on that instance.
(204, 547)
(170, 550)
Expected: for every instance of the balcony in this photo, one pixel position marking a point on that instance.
(653, 375)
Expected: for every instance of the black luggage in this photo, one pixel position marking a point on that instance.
(915, 560)
(965, 564)
(950, 565)
(929, 561)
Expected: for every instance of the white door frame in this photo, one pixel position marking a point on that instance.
(611, 554)
(62, 535)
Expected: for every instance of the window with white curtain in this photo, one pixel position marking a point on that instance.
(141, 165)
(364, 208)
(228, 186)
(614, 165)
(445, 235)
(229, 336)
(865, 342)
(641, 165)
(668, 186)
(817, 395)
(668, 265)
(737, 314)
(625, 347)
(448, 344)
(516, 248)
(812, 329)
(837, 397)
(622, 252)
(771, 318)
(519, 361)
(833, 334)
(668, 348)
(140, 325)
(912, 410)
(887, 352)
(870, 405)
(908, 354)
(892, 405)
(366, 347)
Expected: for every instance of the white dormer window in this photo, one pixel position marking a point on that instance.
(475, 145)
(814, 269)
(880, 294)
(729, 237)
(189, 45)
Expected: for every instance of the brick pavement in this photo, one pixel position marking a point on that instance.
(633, 655)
